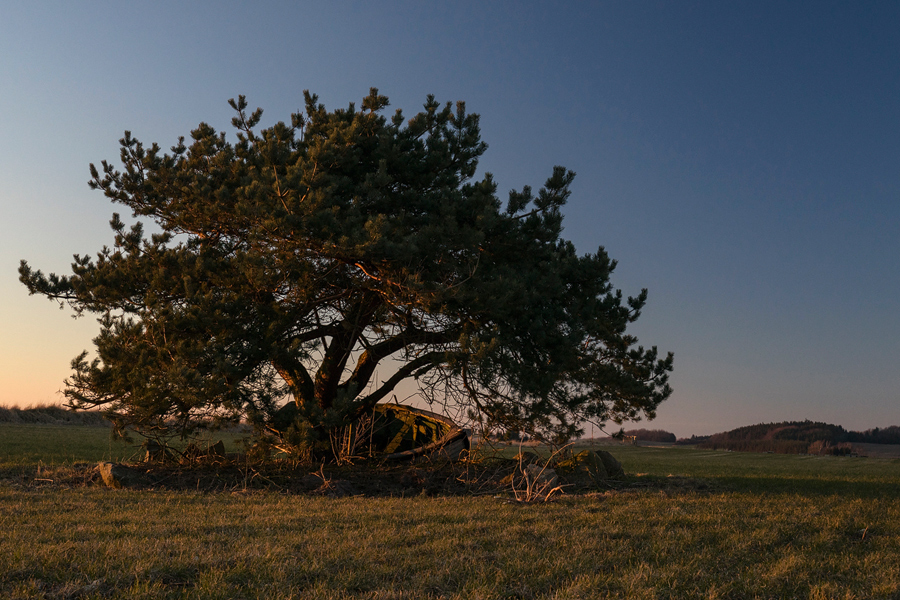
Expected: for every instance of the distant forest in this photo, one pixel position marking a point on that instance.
(788, 437)
(795, 437)
(650, 435)
(51, 414)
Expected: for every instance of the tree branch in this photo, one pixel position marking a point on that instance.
(421, 362)
(368, 361)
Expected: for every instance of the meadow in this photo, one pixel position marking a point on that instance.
(686, 523)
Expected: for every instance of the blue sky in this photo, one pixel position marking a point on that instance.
(741, 160)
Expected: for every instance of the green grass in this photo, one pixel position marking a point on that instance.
(61, 444)
(695, 524)
(636, 545)
(24, 444)
(771, 473)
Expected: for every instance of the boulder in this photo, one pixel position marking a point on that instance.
(155, 452)
(217, 450)
(540, 478)
(585, 468)
(613, 467)
(527, 458)
(119, 476)
(212, 453)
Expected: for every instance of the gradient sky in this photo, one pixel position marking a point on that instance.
(741, 160)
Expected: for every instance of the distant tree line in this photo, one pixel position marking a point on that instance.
(886, 435)
(794, 437)
(651, 435)
(51, 414)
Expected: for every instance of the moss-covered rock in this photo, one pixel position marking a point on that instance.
(584, 468)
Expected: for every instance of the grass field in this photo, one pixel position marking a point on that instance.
(31, 444)
(686, 524)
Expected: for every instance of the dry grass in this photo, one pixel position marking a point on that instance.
(692, 525)
(636, 544)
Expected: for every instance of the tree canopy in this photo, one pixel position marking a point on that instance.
(320, 263)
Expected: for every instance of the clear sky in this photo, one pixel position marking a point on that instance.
(741, 160)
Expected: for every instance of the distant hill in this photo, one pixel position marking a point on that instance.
(795, 437)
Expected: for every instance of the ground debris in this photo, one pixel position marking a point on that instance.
(495, 477)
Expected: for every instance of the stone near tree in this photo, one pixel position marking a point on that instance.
(586, 466)
(613, 467)
(217, 449)
(193, 453)
(119, 476)
(155, 452)
(540, 478)
(527, 458)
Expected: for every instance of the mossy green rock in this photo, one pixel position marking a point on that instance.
(589, 466)
(586, 465)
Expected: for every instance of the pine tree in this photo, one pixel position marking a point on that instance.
(316, 265)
